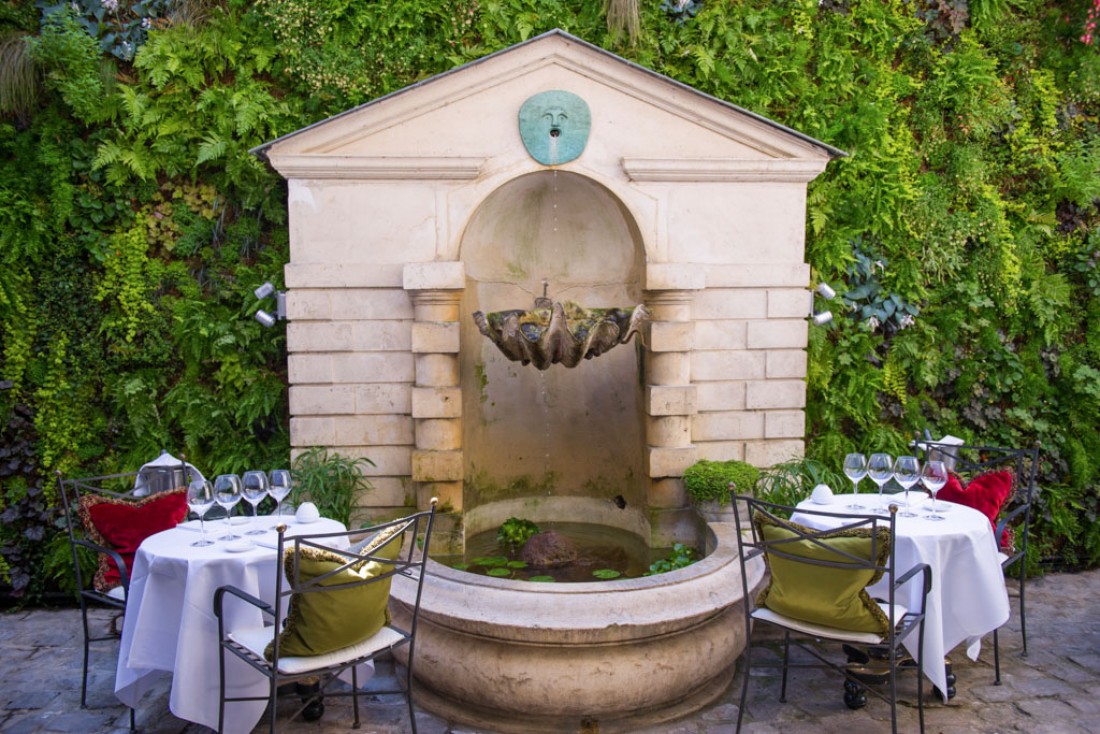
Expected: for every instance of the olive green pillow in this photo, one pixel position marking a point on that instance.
(319, 622)
(825, 595)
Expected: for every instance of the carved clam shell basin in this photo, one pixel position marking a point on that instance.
(515, 656)
(559, 333)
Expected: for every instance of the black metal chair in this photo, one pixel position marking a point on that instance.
(126, 487)
(353, 569)
(970, 461)
(816, 591)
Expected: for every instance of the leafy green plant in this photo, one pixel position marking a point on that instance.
(331, 481)
(867, 299)
(790, 482)
(680, 556)
(710, 480)
(681, 11)
(515, 532)
(18, 80)
(120, 26)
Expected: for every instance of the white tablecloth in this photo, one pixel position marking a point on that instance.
(968, 597)
(170, 624)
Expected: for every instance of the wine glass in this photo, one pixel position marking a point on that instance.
(254, 489)
(907, 473)
(200, 498)
(855, 468)
(227, 493)
(880, 468)
(934, 476)
(281, 484)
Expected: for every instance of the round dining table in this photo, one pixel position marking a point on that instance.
(968, 598)
(170, 627)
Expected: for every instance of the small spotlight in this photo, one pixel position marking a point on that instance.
(819, 318)
(265, 318)
(826, 291)
(264, 290)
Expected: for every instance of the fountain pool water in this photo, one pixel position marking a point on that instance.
(598, 548)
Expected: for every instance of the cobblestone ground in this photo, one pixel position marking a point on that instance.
(1055, 689)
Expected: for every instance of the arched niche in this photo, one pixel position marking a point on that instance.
(570, 432)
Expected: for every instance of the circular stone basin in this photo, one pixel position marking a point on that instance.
(612, 656)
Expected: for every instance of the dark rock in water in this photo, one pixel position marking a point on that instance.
(549, 549)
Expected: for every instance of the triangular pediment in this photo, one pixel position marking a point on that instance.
(449, 125)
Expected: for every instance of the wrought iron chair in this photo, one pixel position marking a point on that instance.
(817, 591)
(334, 581)
(971, 461)
(75, 494)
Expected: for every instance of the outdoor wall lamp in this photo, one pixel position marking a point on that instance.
(265, 318)
(825, 291)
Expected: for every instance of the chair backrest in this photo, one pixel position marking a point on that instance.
(78, 494)
(848, 553)
(338, 583)
(971, 461)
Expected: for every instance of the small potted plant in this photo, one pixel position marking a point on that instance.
(711, 485)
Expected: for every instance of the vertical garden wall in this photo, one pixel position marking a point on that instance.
(962, 232)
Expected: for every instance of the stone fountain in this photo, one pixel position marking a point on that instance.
(633, 205)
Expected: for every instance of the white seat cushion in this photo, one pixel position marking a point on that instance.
(1001, 557)
(117, 593)
(817, 630)
(256, 639)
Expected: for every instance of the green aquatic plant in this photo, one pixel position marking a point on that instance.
(680, 556)
(515, 532)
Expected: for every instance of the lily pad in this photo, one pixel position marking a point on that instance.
(490, 561)
(606, 573)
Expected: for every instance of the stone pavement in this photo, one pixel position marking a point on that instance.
(1055, 689)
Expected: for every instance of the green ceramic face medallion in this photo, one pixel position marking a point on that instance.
(554, 126)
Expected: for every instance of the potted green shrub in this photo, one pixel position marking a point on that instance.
(331, 481)
(710, 486)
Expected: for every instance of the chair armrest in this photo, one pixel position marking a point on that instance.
(922, 568)
(123, 570)
(221, 591)
(1009, 516)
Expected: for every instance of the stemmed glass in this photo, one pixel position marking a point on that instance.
(281, 484)
(880, 468)
(907, 473)
(855, 468)
(200, 498)
(934, 476)
(227, 493)
(254, 489)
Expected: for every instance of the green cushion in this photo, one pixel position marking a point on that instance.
(833, 597)
(320, 622)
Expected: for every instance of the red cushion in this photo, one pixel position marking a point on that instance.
(122, 524)
(986, 493)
